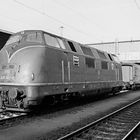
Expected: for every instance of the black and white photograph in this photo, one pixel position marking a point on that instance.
(69, 70)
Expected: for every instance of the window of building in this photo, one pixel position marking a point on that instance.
(104, 65)
(71, 46)
(87, 51)
(101, 54)
(90, 62)
(52, 41)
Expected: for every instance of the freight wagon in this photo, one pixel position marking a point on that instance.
(131, 75)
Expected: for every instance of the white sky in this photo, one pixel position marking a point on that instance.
(86, 21)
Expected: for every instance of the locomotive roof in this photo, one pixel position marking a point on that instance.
(93, 50)
(86, 45)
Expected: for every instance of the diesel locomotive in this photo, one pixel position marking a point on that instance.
(36, 65)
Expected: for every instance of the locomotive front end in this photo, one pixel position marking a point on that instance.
(20, 70)
(11, 95)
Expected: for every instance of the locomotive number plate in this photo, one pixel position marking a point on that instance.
(7, 74)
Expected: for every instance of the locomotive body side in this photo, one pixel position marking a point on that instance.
(36, 65)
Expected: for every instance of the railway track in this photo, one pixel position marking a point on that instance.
(115, 126)
(134, 134)
(9, 115)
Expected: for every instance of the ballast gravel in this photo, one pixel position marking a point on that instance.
(49, 127)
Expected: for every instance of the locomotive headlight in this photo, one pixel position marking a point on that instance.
(33, 76)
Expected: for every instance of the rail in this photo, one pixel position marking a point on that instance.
(116, 125)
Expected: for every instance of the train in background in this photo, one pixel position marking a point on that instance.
(4, 36)
(131, 75)
(37, 66)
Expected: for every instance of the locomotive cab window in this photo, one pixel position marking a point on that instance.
(34, 37)
(14, 39)
(71, 46)
(60, 41)
(51, 41)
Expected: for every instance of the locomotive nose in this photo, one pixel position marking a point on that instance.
(29, 63)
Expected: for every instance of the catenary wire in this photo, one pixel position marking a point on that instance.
(57, 20)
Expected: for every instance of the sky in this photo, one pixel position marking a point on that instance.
(84, 21)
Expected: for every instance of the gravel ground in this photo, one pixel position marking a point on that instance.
(47, 126)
